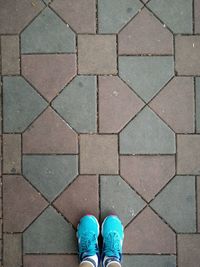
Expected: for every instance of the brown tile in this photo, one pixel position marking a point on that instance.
(187, 55)
(145, 34)
(149, 234)
(50, 134)
(49, 73)
(117, 104)
(12, 253)
(80, 198)
(10, 55)
(147, 174)
(50, 261)
(188, 154)
(197, 15)
(21, 203)
(175, 104)
(98, 154)
(80, 15)
(198, 203)
(12, 153)
(188, 250)
(97, 54)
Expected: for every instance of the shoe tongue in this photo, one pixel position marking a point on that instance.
(110, 259)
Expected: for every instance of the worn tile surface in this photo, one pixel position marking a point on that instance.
(100, 113)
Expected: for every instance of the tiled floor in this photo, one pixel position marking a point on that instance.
(100, 114)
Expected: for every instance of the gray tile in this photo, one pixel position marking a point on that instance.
(147, 134)
(47, 33)
(12, 252)
(77, 104)
(177, 205)
(50, 174)
(149, 260)
(176, 14)
(114, 14)
(198, 104)
(49, 233)
(119, 198)
(22, 104)
(145, 74)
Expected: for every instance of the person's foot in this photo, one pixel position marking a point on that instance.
(112, 232)
(87, 234)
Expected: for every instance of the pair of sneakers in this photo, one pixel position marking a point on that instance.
(112, 232)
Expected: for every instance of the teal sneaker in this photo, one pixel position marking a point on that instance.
(113, 235)
(87, 235)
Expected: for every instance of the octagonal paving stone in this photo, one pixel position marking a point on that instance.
(49, 233)
(22, 104)
(197, 91)
(50, 174)
(146, 74)
(47, 34)
(149, 260)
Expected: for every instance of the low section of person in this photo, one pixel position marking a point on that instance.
(112, 232)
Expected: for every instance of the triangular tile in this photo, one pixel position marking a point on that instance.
(22, 203)
(22, 104)
(145, 35)
(146, 75)
(117, 197)
(80, 198)
(147, 134)
(50, 134)
(177, 204)
(47, 34)
(49, 73)
(147, 174)
(50, 174)
(50, 233)
(148, 234)
(170, 104)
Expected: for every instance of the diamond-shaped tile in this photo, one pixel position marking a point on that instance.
(50, 233)
(177, 205)
(119, 198)
(50, 174)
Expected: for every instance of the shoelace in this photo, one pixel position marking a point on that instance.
(88, 245)
(112, 245)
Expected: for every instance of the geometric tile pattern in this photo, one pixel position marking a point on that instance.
(100, 113)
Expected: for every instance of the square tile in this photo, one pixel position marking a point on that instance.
(98, 154)
(97, 54)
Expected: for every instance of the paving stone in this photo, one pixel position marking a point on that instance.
(80, 198)
(147, 174)
(147, 134)
(47, 34)
(145, 34)
(117, 197)
(197, 91)
(176, 14)
(50, 233)
(21, 104)
(147, 233)
(12, 252)
(81, 15)
(188, 154)
(50, 260)
(117, 104)
(196, 16)
(50, 134)
(77, 104)
(198, 203)
(98, 154)
(49, 73)
(12, 153)
(149, 260)
(177, 205)
(187, 59)
(10, 55)
(170, 104)
(146, 75)
(114, 14)
(21, 12)
(50, 174)
(22, 203)
(97, 54)
(188, 250)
